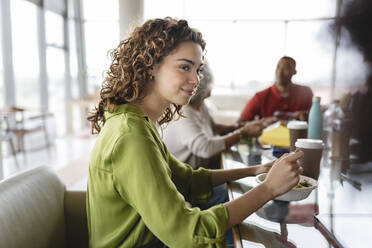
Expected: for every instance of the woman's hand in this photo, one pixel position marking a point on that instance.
(263, 168)
(252, 128)
(284, 174)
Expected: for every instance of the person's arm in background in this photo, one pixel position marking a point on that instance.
(251, 109)
(249, 129)
(204, 145)
(254, 129)
(266, 121)
(301, 115)
(222, 129)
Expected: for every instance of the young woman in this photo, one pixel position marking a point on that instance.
(137, 191)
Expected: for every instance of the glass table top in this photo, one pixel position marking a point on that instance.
(336, 214)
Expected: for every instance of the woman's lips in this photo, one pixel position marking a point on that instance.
(189, 92)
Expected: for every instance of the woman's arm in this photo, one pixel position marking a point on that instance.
(222, 129)
(249, 129)
(283, 176)
(159, 198)
(223, 176)
(206, 145)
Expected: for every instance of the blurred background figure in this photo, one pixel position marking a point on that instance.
(197, 139)
(284, 99)
(357, 20)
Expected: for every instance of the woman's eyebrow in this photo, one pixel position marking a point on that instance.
(189, 61)
(186, 60)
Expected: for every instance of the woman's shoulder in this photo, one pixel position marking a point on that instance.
(126, 124)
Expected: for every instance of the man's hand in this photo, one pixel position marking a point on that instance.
(268, 121)
(301, 115)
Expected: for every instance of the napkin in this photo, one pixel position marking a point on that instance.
(275, 134)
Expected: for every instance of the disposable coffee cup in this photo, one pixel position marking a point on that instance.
(310, 162)
(297, 130)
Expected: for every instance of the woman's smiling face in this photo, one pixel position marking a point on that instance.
(176, 77)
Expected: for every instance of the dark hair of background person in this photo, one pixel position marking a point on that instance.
(129, 74)
(204, 86)
(357, 20)
(290, 59)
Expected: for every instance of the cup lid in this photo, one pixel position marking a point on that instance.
(309, 143)
(297, 125)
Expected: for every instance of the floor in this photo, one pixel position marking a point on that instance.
(68, 155)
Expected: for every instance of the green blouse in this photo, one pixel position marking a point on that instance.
(137, 190)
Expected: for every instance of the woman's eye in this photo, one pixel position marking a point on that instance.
(185, 67)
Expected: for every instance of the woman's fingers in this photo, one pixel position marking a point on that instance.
(293, 156)
(295, 164)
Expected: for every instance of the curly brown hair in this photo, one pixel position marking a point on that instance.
(133, 61)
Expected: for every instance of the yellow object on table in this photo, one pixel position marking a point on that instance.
(276, 135)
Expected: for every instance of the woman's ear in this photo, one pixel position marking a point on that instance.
(152, 71)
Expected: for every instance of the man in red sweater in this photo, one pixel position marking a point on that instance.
(283, 99)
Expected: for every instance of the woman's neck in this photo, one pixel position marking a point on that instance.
(151, 106)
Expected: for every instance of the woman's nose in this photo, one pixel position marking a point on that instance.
(194, 79)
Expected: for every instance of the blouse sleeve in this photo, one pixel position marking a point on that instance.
(195, 185)
(143, 178)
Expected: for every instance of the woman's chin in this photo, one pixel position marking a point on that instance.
(183, 101)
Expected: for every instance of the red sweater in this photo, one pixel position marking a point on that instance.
(266, 102)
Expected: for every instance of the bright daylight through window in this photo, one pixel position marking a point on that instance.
(245, 39)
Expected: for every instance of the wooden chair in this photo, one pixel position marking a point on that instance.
(21, 127)
(6, 135)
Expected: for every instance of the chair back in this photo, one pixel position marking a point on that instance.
(32, 210)
(76, 219)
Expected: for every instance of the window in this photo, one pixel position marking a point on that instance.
(163, 8)
(1, 71)
(251, 10)
(100, 38)
(245, 39)
(312, 46)
(244, 61)
(56, 68)
(101, 35)
(25, 53)
(53, 29)
(355, 76)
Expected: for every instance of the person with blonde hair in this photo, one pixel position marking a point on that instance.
(137, 190)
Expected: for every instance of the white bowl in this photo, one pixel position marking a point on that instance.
(295, 194)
